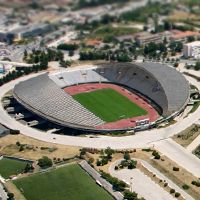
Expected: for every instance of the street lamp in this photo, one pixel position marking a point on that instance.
(131, 183)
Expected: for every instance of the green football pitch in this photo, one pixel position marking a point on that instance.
(109, 105)
(10, 167)
(65, 183)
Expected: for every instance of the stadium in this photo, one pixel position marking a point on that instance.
(106, 97)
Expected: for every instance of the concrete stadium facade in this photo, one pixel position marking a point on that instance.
(44, 94)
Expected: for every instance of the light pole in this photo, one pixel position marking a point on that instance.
(131, 183)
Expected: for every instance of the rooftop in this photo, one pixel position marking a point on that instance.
(183, 34)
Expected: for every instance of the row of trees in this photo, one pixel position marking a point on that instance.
(86, 3)
(68, 47)
(43, 57)
(40, 60)
(120, 186)
(117, 184)
(106, 156)
(104, 55)
(18, 73)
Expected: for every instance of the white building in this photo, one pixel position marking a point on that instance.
(192, 50)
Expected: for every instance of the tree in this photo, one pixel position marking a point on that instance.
(10, 196)
(190, 39)
(109, 152)
(71, 53)
(156, 155)
(132, 164)
(25, 55)
(127, 156)
(197, 65)
(130, 195)
(167, 25)
(176, 64)
(45, 162)
(67, 47)
(28, 168)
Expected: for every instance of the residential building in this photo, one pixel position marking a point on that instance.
(146, 37)
(192, 50)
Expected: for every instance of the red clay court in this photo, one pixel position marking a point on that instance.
(152, 113)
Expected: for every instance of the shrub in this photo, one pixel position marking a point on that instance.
(147, 150)
(116, 167)
(176, 169)
(98, 163)
(21, 148)
(14, 132)
(18, 143)
(52, 149)
(185, 187)
(172, 191)
(82, 153)
(196, 183)
(156, 155)
(45, 162)
(165, 184)
(177, 194)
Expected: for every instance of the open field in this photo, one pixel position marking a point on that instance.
(38, 148)
(9, 167)
(187, 136)
(109, 105)
(178, 16)
(69, 182)
(104, 32)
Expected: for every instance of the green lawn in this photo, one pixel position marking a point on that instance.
(109, 105)
(106, 31)
(10, 167)
(65, 183)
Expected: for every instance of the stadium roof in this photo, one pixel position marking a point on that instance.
(174, 84)
(44, 95)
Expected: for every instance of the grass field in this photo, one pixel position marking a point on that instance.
(10, 167)
(109, 105)
(66, 183)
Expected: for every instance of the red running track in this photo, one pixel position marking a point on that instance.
(123, 123)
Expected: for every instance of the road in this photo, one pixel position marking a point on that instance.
(179, 155)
